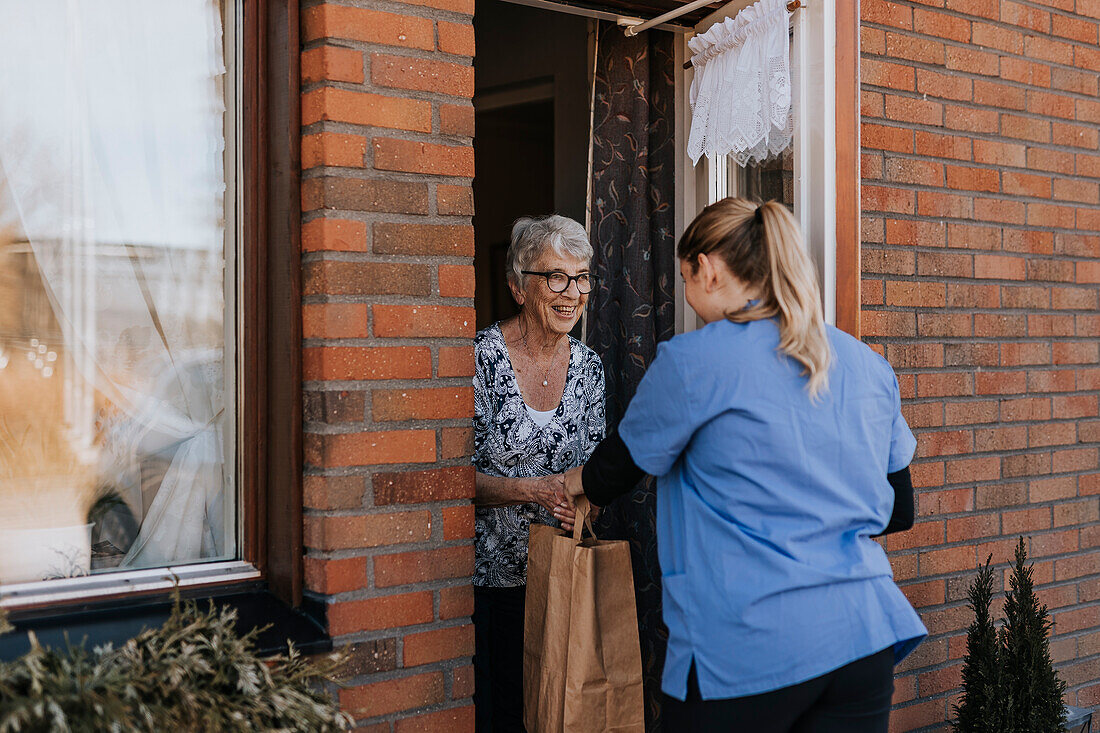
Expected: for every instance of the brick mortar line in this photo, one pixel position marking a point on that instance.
(985, 222)
(447, 665)
(928, 127)
(356, 595)
(980, 311)
(1008, 563)
(354, 428)
(972, 77)
(412, 713)
(1027, 3)
(385, 176)
(379, 510)
(427, 301)
(927, 248)
(963, 132)
(352, 128)
(396, 93)
(875, 216)
(435, 53)
(383, 217)
(948, 280)
(961, 602)
(897, 155)
(394, 384)
(983, 136)
(1002, 454)
(373, 552)
(363, 385)
(904, 216)
(999, 24)
(990, 454)
(399, 8)
(977, 338)
(368, 470)
(392, 341)
(1012, 310)
(328, 429)
(359, 257)
(380, 551)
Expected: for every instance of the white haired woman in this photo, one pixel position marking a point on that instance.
(539, 411)
(781, 451)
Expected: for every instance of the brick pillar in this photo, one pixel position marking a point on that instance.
(388, 322)
(981, 264)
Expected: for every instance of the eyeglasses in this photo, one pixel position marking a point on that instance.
(558, 282)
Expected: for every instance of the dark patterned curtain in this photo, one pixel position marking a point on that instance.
(632, 234)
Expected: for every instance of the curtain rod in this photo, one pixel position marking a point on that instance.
(792, 6)
(584, 12)
(633, 30)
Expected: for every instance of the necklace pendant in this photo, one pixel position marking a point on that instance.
(545, 383)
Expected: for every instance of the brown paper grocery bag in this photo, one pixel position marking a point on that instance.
(582, 666)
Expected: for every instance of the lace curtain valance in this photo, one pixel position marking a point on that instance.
(741, 93)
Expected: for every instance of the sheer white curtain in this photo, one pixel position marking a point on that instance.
(741, 93)
(111, 168)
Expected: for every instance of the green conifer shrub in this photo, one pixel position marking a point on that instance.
(1030, 682)
(979, 710)
(195, 673)
(1009, 682)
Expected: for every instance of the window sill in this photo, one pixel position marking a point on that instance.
(116, 621)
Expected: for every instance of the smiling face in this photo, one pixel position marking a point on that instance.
(553, 313)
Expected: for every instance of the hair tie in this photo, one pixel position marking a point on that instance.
(758, 215)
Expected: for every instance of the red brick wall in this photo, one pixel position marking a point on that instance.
(388, 318)
(981, 258)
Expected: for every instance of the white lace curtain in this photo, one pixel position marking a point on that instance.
(111, 172)
(741, 93)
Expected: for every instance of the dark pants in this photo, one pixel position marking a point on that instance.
(498, 659)
(852, 699)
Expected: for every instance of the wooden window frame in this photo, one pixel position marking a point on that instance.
(269, 359)
(270, 442)
(692, 181)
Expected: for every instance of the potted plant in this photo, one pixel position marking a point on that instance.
(1009, 682)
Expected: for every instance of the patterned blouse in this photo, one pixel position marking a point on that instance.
(507, 442)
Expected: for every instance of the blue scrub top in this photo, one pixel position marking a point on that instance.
(766, 503)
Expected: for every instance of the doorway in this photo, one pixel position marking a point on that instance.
(531, 121)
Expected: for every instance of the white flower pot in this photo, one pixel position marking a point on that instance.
(28, 555)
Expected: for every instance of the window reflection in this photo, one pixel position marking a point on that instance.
(114, 417)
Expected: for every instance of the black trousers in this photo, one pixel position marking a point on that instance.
(852, 699)
(498, 659)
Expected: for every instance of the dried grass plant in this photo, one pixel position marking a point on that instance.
(44, 483)
(194, 673)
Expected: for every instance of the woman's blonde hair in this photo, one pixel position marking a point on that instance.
(762, 246)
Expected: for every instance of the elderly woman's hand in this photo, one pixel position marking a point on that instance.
(566, 515)
(547, 491)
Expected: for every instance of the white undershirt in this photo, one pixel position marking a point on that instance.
(541, 417)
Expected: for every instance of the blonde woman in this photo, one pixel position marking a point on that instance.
(781, 451)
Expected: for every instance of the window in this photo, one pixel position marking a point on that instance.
(134, 378)
(818, 176)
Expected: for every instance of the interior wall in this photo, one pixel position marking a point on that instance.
(529, 62)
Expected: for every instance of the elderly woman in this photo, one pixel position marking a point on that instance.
(539, 411)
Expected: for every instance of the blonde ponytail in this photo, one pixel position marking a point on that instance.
(762, 247)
